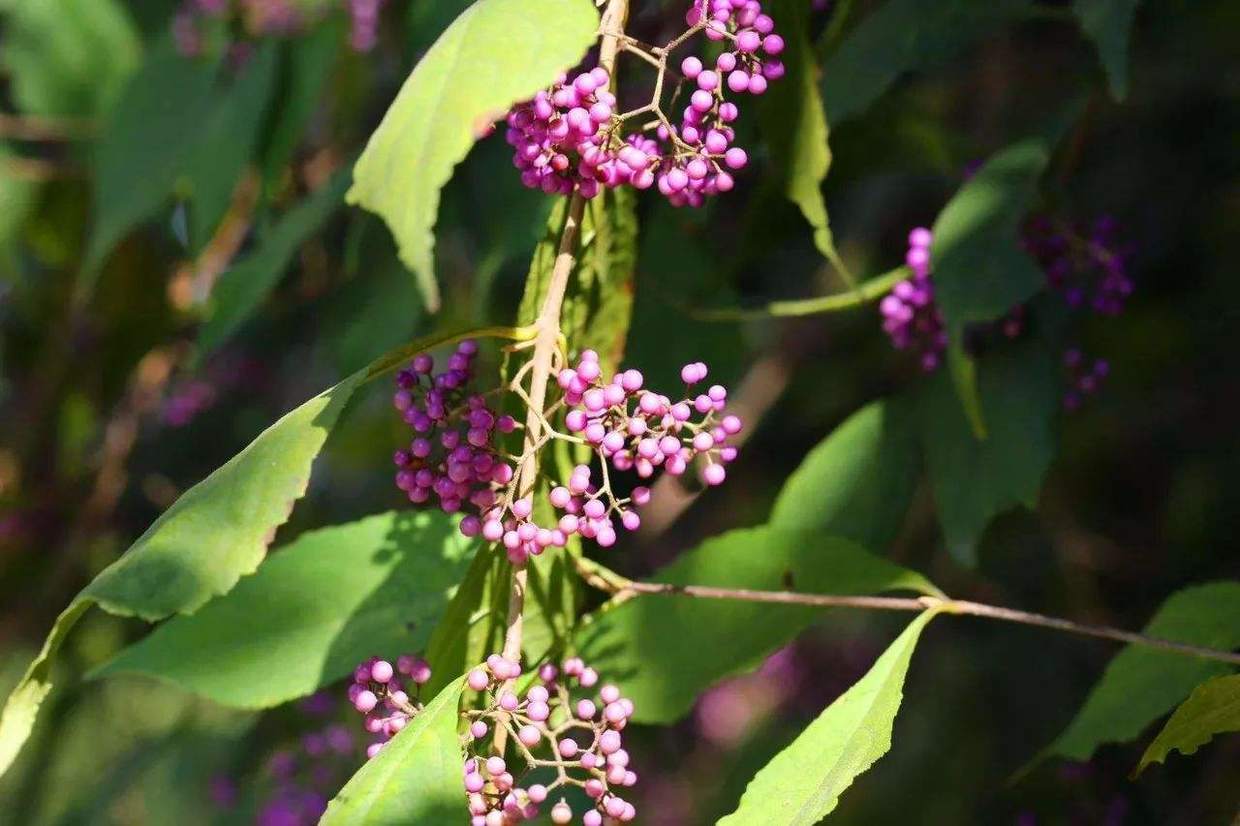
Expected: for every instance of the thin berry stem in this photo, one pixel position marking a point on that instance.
(606, 580)
(548, 336)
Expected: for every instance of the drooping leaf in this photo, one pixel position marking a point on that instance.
(980, 270)
(496, 53)
(641, 641)
(1109, 24)
(858, 482)
(242, 287)
(1142, 684)
(306, 618)
(803, 783)
(975, 480)
(1213, 708)
(415, 780)
(899, 37)
(217, 532)
(145, 143)
(792, 117)
(68, 58)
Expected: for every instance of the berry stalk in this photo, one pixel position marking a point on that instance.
(548, 334)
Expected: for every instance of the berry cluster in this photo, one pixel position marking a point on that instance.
(640, 429)
(452, 457)
(568, 138)
(561, 732)
(1088, 268)
(632, 429)
(560, 139)
(378, 692)
(910, 315)
(1083, 377)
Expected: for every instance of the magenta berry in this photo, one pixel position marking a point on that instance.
(583, 750)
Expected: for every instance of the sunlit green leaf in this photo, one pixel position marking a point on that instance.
(415, 780)
(1213, 708)
(316, 609)
(804, 782)
(1142, 684)
(497, 52)
(641, 641)
(217, 532)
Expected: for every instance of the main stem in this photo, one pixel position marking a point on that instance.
(546, 339)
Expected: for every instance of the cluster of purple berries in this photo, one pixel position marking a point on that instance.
(378, 691)
(452, 457)
(568, 137)
(910, 315)
(1084, 377)
(560, 732)
(1088, 268)
(632, 429)
(638, 429)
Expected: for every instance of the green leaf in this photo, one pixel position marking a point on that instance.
(1109, 24)
(144, 146)
(450, 648)
(793, 118)
(803, 783)
(306, 66)
(1142, 684)
(217, 532)
(858, 482)
(639, 642)
(899, 37)
(975, 480)
(242, 287)
(68, 57)
(307, 617)
(415, 780)
(980, 270)
(1213, 708)
(228, 142)
(496, 53)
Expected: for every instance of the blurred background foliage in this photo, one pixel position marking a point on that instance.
(177, 268)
